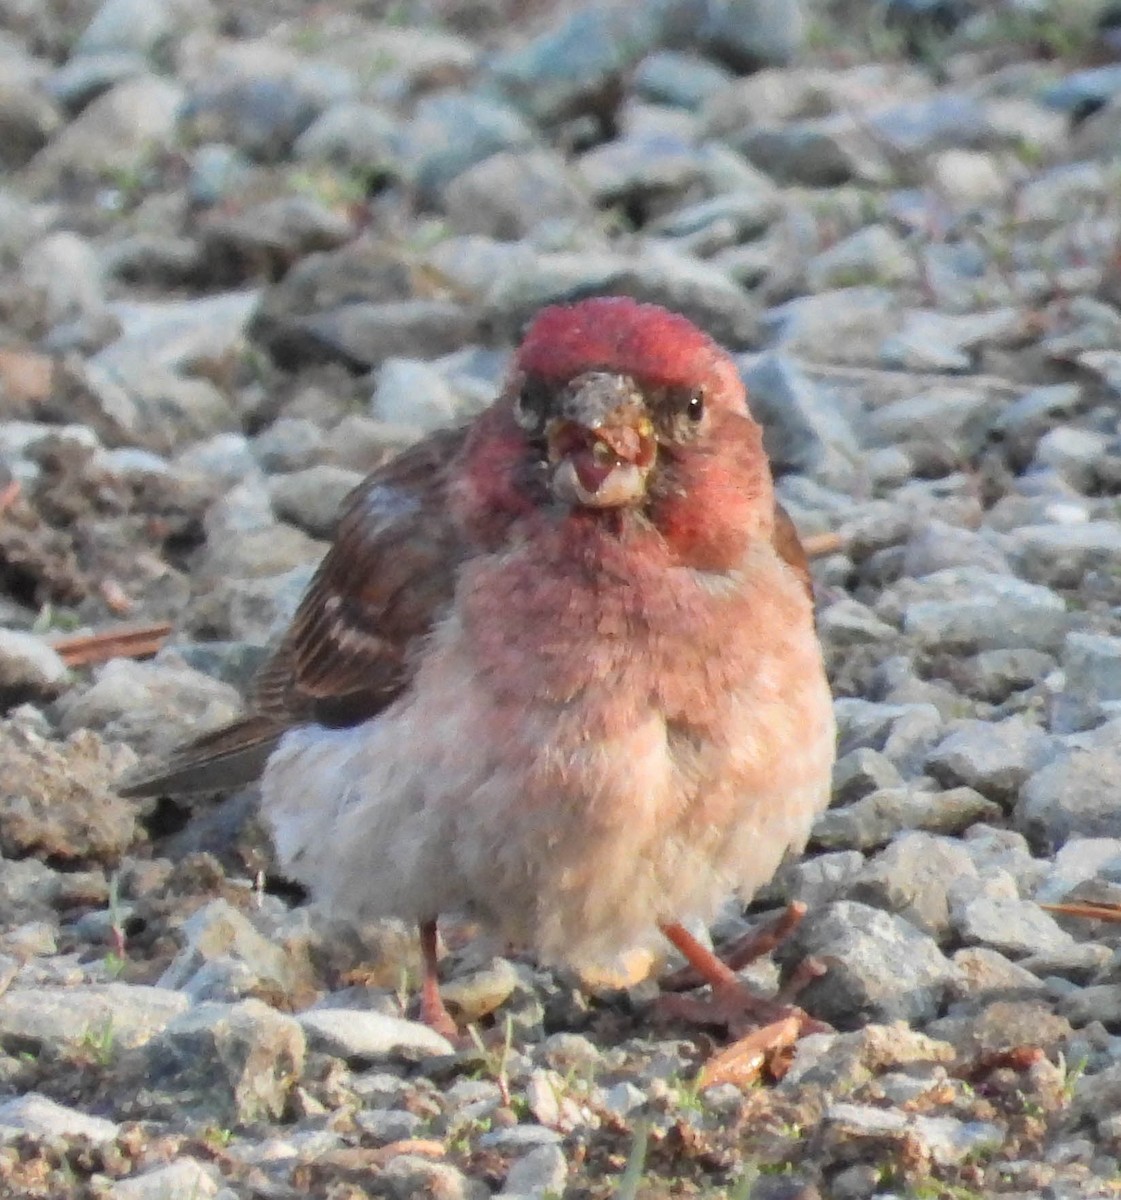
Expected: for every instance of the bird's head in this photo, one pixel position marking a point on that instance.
(611, 391)
(613, 406)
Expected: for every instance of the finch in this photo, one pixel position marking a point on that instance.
(558, 671)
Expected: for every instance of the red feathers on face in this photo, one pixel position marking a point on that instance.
(616, 333)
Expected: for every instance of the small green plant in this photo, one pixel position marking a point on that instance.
(1072, 1072)
(114, 965)
(217, 1136)
(631, 1179)
(496, 1062)
(100, 1041)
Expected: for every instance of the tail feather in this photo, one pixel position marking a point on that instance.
(225, 758)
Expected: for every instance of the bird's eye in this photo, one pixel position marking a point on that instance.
(695, 406)
(529, 404)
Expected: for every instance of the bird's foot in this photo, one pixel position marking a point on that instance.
(764, 1028)
(433, 1011)
(737, 1007)
(753, 945)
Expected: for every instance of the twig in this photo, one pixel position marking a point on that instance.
(9, 494)
(817, 545)
(138, 641)
(1094, 912)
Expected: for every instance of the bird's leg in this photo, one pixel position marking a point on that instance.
(433, 1011)
(754, 944)
(733, 1003)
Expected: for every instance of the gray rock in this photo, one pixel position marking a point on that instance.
(1106, 365)
(940, 121)
(570, 67)
(58, 799)
(969, 610)
(879, 966)
(233, 1064)
(184, 1177)
(912, 877)
(818, 152)
(877, 818)
(860, 772)
(81, 80)
(984, 973)
(288, 444)
(139, 27)
(1079, 860)
(311, 498)
(354, 135)
(225, 457)
(65, 274)
(387, 1126)
(266, 239)
(539, 1173)
(642, 164)
(1014, 927)
(29, 667)
(452, 131)
(706, 226)
(1029, 416)
(217, 171)
(1100, 1002)
(1082, 91)
(117, 134)
(43, 1118)
(806, 427)
(1004, 852)
(29, 115)
(519, 1137)
(993, 757)
(413, 394)
(262, 106)
(749, 34)
(1061, 555)
(697, 290)
(408, 1176)
(847, 622)
(366, 334)
(814, 881)
(149, 706)
(938, 546)
(901, 732)
(873, 255)
(1074, 794)
(115, 1015)
(685, 80)
(511, 194)
(477, 993)
(254, 611)
(219, 931)
(354, 1034)
(849, 321)
(861, 1130)
(1091, 690)
(28, 889)
(969, 178)
(1073, 453)
(959, 416)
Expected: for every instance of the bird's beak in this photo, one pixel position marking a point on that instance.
(602, 446)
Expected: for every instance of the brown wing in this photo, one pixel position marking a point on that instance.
(786, 541)
(349, 652)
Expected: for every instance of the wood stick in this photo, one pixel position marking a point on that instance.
(136, 641)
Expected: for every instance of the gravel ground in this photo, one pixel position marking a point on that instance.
(251, 250)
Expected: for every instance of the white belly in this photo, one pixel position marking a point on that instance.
(563, 840)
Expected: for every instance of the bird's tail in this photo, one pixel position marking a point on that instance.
(224, 758)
